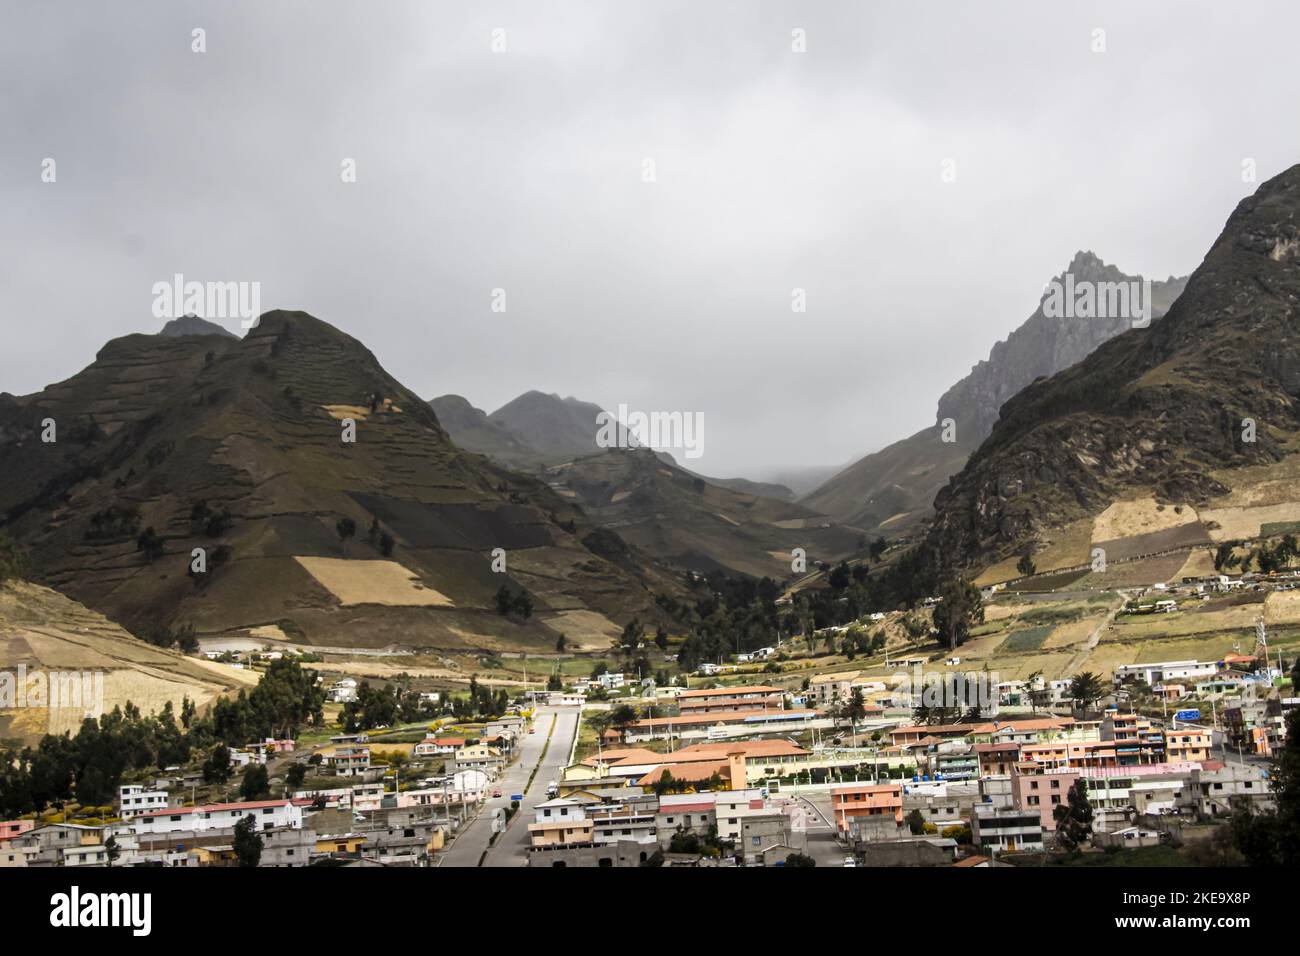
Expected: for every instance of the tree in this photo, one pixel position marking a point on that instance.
(661, 638)
(149, 542)
(960, 606)
(633, 634)
(856, 709)
(248, 842)
(1086, 689)
(346, 528)
(622, 716)
(560, 643)
(295, 775)
(1272, 838)
(799, 860)
(216, 769)
(916, 822)
(256, 784)
(878, 548)
(1074, 818)
(112, 850)
(13, 559)
(1026, 564)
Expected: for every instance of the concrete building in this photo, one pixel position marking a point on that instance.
(866, 800)
(1007, 831)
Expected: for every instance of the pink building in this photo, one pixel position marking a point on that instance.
(1042, 792)
(12, 828)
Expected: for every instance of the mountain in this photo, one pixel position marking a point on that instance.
(537, 429)
(893, 489)
(471, 429)
(555, 427)
(1156, 419)
(691, 523)
(48, 632)
(236, 446)
(193, 325)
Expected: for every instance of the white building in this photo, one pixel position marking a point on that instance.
(219, 816)
(134, 800)
(1163, 672)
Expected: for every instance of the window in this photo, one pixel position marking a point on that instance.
(755, 841)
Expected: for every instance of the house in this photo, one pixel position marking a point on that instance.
(709, 670)
(47, 845)
(1007, 830)
(997, 759)
(478, 757)
(342, 691)
(348, 761)
(1216, 788)
(1042, 793)
(432, 745)
(12, 828)
(134, 799)
(852, 801)
(684, 813)
(1186, 745)
(828, 689)
(612, 681)
(560, 822)
(766, 837)
(268, 814)
(1128, 838)
(756, 697)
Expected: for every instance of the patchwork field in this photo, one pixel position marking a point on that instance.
(372, 582)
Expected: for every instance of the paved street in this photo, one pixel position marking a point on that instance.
(511, 847)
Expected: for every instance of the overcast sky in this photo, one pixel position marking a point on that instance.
(523, 170)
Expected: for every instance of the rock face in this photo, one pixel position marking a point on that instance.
(892, 490)
(1159, 409)
(1043, 345)
(193, 325)
(237, 447)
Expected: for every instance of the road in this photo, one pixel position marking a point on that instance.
(511, 847)
(822, 845)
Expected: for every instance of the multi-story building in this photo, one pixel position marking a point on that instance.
(754, 697)
(1007, 830)
(866, 800)
(1043, 792)
(133, 800)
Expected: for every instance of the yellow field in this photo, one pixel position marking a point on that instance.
(1244, 522)
(1125, 519)
(372, 582)
(1200, 563)
(585, 630)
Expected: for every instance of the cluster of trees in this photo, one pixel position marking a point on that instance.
(206, 522)
(89, 765)
(380, 539)
(385, 706)
(160, 634)
(725, 615)
(1266, 558)
(510, 603)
